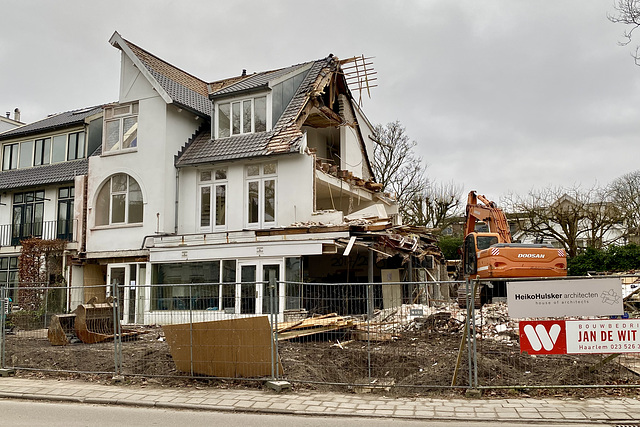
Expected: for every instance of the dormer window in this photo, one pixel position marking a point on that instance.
(243, 116)
(120, 128)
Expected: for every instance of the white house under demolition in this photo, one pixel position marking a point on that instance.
(227, 183)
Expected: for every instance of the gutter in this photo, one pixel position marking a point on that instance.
(231, 94)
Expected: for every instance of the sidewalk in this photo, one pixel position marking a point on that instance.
(309, 403)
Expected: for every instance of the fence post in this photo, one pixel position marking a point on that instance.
(190, 330)
(3, 320)
(117, 338)
(471, 301)
(369, 312)
(272, 281)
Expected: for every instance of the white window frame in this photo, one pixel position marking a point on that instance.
(127, 194)
(230, 102)
(212, 184)
(112, 114)
(51, 138)
(261, 179)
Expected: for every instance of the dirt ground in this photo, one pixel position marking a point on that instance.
(418, 362)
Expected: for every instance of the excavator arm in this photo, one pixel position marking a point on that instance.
(487, 212)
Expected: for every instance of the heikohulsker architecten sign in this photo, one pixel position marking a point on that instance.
(556, 298)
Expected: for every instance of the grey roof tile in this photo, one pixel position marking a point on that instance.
(42, 175)
(184, 96)
(284, 138)
(52, 122)
(183, 88)
(257, 80)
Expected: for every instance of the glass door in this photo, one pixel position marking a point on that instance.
(125, 277)
(270, 300)
(248, 290)
(116, 276)
(253, 295)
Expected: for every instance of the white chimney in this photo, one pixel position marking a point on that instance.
(16, 114)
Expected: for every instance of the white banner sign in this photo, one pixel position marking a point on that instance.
(603, 336)
(560, 298)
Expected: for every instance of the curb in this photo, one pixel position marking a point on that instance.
(267, 411)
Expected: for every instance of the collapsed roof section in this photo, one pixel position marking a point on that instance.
(382, 238)
(317, 102)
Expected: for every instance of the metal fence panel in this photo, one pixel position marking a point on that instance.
(361, 335)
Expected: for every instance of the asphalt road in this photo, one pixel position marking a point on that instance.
(18, 413)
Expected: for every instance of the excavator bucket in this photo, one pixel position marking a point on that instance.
(92, 323)
(61, 329)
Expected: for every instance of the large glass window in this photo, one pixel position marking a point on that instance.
(9, 276)
(213, 199)
(120, 128)
(76, 146)
(10, 156)
(261, 194)
(28, 214)
(119, 201)
(283, 93)
(59, 151)
(42, 152)
(26, 154)
(194, 285)
(65, 213)
(239, 117)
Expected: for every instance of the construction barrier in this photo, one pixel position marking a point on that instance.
(365, 336)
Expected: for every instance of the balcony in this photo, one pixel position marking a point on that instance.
(12, 234)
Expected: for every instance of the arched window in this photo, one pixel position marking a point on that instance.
(119, 201)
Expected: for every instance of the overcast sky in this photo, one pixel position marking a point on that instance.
(499, 95)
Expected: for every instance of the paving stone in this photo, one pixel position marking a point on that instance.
(244, 404)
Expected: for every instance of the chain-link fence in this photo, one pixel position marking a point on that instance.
(360, 335)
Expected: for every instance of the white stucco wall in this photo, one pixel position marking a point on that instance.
(294, 192)
(162, 130)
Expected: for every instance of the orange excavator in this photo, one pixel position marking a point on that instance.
(488, 255)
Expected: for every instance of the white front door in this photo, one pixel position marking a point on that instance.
(253, 295)
(130, 294)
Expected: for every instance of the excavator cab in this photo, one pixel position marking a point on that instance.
(474, 243)
(469, 257)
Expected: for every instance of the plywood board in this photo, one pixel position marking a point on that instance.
(232, 348)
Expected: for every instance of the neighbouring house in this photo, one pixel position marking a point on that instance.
(230, 183)
(7, 123)
(42, 186)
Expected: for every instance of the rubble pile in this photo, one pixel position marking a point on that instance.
(491, 322)
(415, 317)
(494, 323)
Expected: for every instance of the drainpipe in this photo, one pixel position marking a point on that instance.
(175, 230)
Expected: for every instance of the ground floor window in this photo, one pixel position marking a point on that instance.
(194, 285)
(232, 286)
(9, 276)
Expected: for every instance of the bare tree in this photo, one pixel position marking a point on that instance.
(628, 13)
(436, 206)
(568, 216)
(396, 165)
(625, 194)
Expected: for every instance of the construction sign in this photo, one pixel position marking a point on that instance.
(580, 336)
(561, 298)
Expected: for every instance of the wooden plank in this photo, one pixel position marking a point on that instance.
(306, 332)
